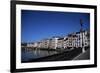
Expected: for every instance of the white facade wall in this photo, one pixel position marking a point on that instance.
(77, 40)
(74, 40)
(30, 45)
(83, 38)
(60, 43)
(45, 43)
(53, 43)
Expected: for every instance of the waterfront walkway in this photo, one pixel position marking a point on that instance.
(67, 55)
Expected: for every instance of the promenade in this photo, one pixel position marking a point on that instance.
(67, 55)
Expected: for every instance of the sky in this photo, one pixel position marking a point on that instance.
(38, 25)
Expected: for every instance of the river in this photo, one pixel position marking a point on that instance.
(35, 53)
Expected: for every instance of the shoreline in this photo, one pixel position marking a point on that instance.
(67, 55)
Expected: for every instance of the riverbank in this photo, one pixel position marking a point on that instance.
(66, 55)
(48, 49)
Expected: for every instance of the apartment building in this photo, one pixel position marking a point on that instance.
(60, 43)
(73, 40)
(44, 43)
(30, 44)
(78, 39)
(53, 42)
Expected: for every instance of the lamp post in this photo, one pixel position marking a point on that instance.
(81, 30)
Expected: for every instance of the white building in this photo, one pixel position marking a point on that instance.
(73, 40)
(53, 42)
(36, 44)
(60, 43)
(45, 43)
(39, 44)
(76, 40)
(30, 44)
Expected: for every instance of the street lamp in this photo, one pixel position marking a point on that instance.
(81, 30)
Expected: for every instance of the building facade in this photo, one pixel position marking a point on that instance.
(73, 40)
(77, 40)
(53, 42)
(60, 43)
(45, 43)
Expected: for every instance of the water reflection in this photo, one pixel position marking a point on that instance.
(27, 55)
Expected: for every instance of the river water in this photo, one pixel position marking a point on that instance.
(34, 54)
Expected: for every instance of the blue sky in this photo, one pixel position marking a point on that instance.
(37, 25)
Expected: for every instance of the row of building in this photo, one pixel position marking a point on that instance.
(73, 40)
